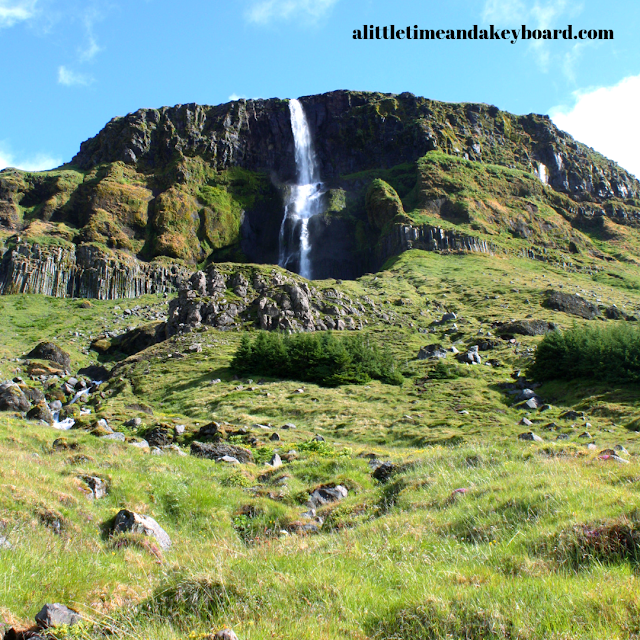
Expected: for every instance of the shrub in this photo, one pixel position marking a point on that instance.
(610, 353)
(317, 357)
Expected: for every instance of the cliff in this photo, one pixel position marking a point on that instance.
(192, 184)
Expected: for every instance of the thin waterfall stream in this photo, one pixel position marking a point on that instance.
(303, 201)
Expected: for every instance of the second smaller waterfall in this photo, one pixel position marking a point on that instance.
(303, 201)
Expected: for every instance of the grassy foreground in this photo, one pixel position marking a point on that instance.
(477, 534)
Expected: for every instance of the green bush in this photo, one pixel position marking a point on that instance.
(609, 353)
(316, 357)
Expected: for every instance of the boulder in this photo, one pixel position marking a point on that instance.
(326, 495)
(529, 435)
(275, 461)
(217, 450)
(97, 486)
(525, 328)
(12, 398)
(384, 471)
(116, 435)
(57, 615)
(51, 352)
(130, 522)
(42, 412)
(432, 351)
(470, 357)
(572, 304)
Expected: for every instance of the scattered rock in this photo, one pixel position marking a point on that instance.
(142, 444)
(432, 351)
(5, 544)
(274, 437)
(525, 328)
(529, 435)
(130, 522)
(585, 434)
(471, 356)
(116, 435)
(562, 436)
(51, 352)
(57, 615)
(218, 450)
(571, 415)
(326, 495)
(134, 423)
(384, 471)
(12, 398)
(526, 422)
(288, 425)
(572, 304)
(224, 634)
(619, 449)
(275, 461)
(318, 438)
(97, 486)
(228, 460)
(42, 412)
(211, 431)
(160, 436)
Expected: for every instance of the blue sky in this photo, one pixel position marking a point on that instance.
(69, 66)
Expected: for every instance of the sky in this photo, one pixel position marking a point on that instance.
(69, 66)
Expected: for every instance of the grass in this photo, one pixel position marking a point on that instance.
(514, 555)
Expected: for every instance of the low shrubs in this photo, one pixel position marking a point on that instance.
(608, 353)
(317, 357)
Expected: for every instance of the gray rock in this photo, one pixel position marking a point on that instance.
(143, 444)
(571, 415)
(432, 351)
(52, 352)
(526, 422)
(5, 544)
(130, 522)
(585, 434)
(471, 356)
(102, 423)
(217, 450)
(225, 634)
(526, 328)
(97, 486)
(134, 423)
(384, 471)
(326, 495)
(57, 615)
(12, 398)
(179, 429)
(274, 437)
(228, 460)
(174, 448)
(318, 438)
(116, 435)
(530, 436)
(55, 406)
(42, 412)
(526, 394)
(448, 317)
(572, 304)
(275, 461)
(562, 436)
(288, 425)
(620, 450)
(156, 451)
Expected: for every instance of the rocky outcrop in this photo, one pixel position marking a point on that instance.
(403, 237)
(83, 271)
(227, 297)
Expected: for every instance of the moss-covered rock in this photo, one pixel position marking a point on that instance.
(382, 203)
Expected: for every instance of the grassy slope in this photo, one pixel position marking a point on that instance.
(399, 560)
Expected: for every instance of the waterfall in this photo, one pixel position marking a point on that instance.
(304, 199)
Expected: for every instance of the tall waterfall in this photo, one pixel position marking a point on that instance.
(303, 201)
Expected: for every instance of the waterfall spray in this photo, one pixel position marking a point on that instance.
(304, 199)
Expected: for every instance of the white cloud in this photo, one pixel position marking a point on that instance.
(92, 48)
(37, 162)
(265, 11)
(235, 96)
(607, 120)
(69, 78)
(503, 12)
(14, 11)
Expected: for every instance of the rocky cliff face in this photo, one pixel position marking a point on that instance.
(355, 131)
(198, 184)
(84, 271)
